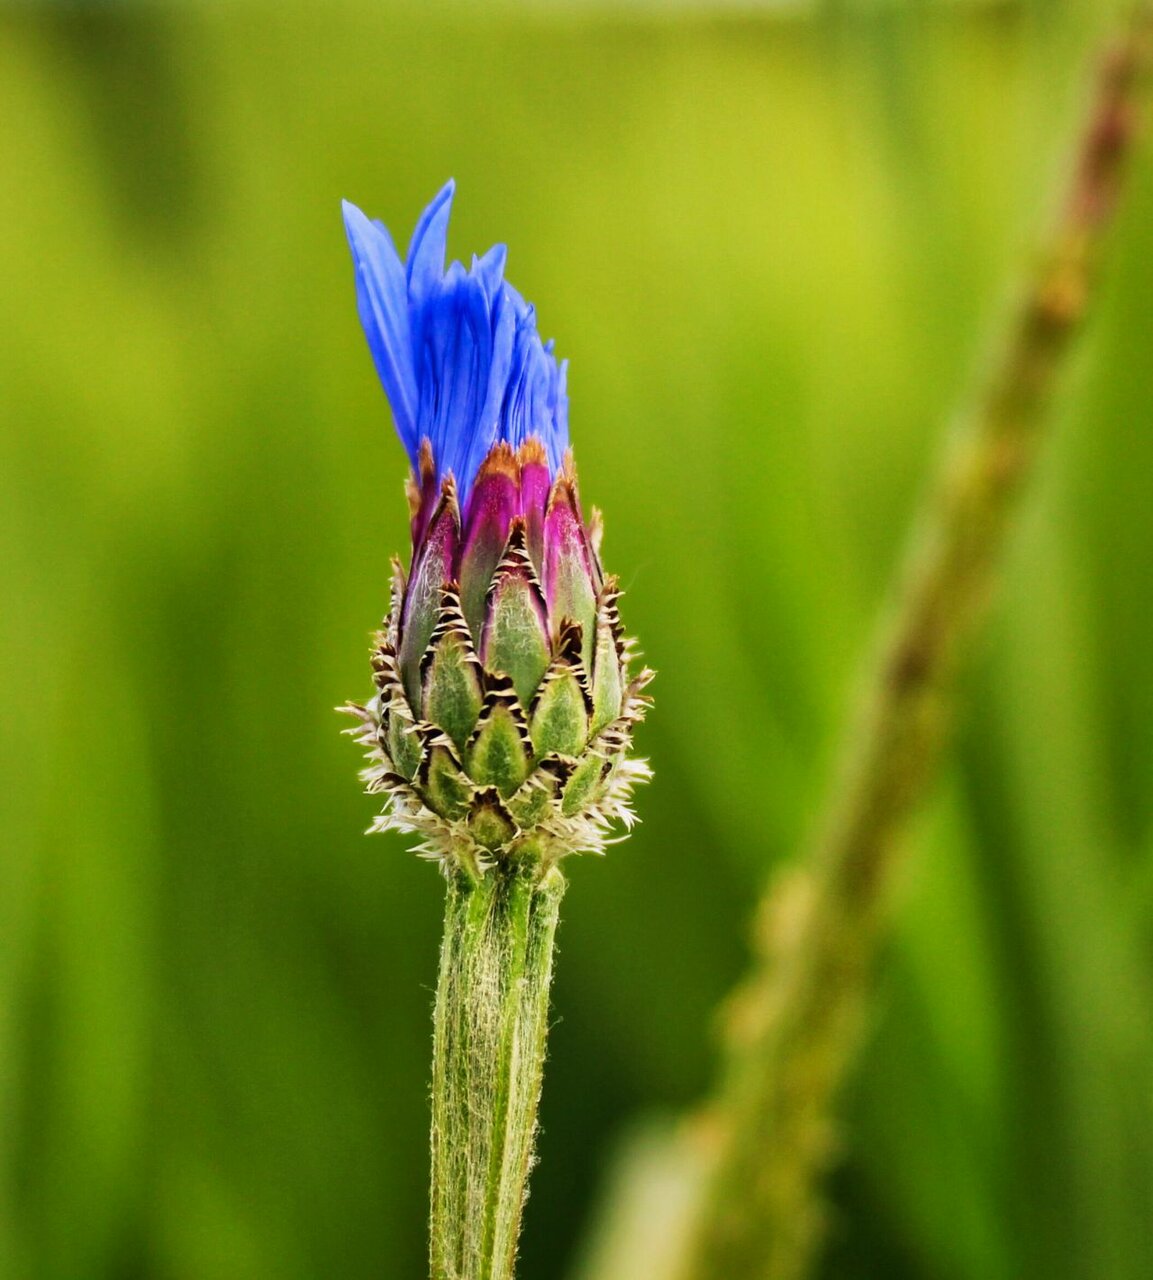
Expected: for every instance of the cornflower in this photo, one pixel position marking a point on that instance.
(505, 697)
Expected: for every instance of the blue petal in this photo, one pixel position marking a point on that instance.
(557, 441)
(521, 416)
(382, 302)
(489, 270)
(458, 352)
(426, 252)
(487, 432)
(457, 356)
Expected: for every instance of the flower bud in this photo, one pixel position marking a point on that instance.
(505, 702)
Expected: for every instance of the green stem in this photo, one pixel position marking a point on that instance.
(490, 1028)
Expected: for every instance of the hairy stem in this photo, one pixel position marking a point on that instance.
(490, 1028)
(793, 1025)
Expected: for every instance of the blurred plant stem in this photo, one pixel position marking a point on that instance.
(793, 1026)
(490, 1027)
(791, 1029)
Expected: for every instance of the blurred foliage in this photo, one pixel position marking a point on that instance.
(767, 246)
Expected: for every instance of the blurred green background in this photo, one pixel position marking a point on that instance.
(770, 244)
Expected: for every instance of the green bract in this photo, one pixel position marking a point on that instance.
(505, 704)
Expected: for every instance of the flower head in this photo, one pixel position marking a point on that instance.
(457, 351)
(505, 704)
